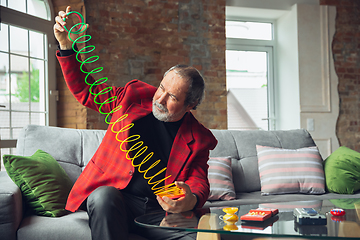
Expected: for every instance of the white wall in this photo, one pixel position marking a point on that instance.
(319, 100)
(305, 78)
(287, 92)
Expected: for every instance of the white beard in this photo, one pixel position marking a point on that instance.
(164, 116)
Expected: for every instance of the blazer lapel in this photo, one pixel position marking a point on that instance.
(180, 151)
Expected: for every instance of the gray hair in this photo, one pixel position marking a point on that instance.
(196, 91)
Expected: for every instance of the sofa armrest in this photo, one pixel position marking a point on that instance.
(11, 208)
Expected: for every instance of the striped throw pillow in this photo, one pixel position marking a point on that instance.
(220, 179)
(290, 170)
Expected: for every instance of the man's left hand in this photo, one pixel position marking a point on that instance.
(181, 204)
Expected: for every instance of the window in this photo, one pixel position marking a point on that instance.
(249, 74)
(38, 8)
(249, 30)
(25, 60)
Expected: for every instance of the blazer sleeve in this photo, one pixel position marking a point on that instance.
(94, 94)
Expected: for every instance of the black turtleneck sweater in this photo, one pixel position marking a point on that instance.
(158, 136)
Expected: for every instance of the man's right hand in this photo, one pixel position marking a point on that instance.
(60, 33)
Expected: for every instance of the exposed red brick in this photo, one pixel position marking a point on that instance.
(346, 44)
(142, 39)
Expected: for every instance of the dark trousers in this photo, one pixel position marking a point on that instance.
(112, 213)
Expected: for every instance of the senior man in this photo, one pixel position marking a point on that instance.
(152, 140)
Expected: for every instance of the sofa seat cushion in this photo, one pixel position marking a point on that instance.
(71, 226)
(42, 181)
(11, 211)
(342, 171)
(290, 170)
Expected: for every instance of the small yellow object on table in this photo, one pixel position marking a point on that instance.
(230, 218)
(230, 215)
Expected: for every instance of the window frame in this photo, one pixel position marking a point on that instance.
(23, 20)
(255, 45)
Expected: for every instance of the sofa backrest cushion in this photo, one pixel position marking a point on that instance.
(72, 148)
(241, 147)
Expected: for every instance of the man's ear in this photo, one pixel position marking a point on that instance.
(191, 107)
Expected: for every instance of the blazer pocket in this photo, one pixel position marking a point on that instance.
(92, 165)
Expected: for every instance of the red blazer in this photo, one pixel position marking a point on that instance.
(110, 166)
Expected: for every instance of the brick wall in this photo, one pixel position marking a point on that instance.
(141, 39)
(70, 113)
(346, 53)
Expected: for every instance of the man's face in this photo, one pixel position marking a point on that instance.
(168, 101)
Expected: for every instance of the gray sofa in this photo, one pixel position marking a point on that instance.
(73, 148)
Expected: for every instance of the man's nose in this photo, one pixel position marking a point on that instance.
(162, 98)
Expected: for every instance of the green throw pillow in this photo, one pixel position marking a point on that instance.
(346, 203)
(43, 182)
(342, 171)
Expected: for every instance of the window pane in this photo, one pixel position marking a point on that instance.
(4, 132)
(4, 38)
(246, 73)
(19, 5)
(18, 40)
(20, 119)
(16, 132)
(37, 8)
(19, 83)
(249, 30)
(4, 120)
(36, 44)
(4, 80)
(245, 69)
(38, 118)
(5, 151)
(3, 3)
(37, 90)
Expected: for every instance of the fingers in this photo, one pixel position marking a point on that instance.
(63, 19)
(59, 20)
(181, 204)
(183, 186)
(166, 203)
(59, 24)
(63, 15)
